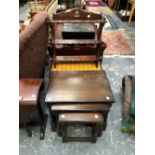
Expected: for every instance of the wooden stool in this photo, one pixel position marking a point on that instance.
(95, 119)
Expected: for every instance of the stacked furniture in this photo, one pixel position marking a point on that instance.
(75, 95)
(84, 93)
(34, 73)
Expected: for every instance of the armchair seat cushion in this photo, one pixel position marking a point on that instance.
(34, 73)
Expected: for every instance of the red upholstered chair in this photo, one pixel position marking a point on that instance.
(34, 73)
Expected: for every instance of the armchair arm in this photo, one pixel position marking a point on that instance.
(45, 85)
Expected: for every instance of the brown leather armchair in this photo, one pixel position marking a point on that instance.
(34, 73)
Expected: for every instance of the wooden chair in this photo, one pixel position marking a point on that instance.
(77, 47)
(132, 3)
(34, 72)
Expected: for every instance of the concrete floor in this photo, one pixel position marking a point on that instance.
(112, 142)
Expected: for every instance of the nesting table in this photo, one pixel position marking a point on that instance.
(79, 91)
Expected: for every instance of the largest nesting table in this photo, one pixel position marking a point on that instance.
(79, 91)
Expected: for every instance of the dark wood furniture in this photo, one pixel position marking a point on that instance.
(75, 47)
(28, 100)
(79, 91)
(79, 86)
(34, 64)
(80, 107)
(94, 120)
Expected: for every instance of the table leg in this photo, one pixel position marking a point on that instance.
(53, 124)
(105, 115)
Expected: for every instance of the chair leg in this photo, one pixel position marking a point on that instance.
(43, 127)
(29, 131)
(126, 10)
(131, 14)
